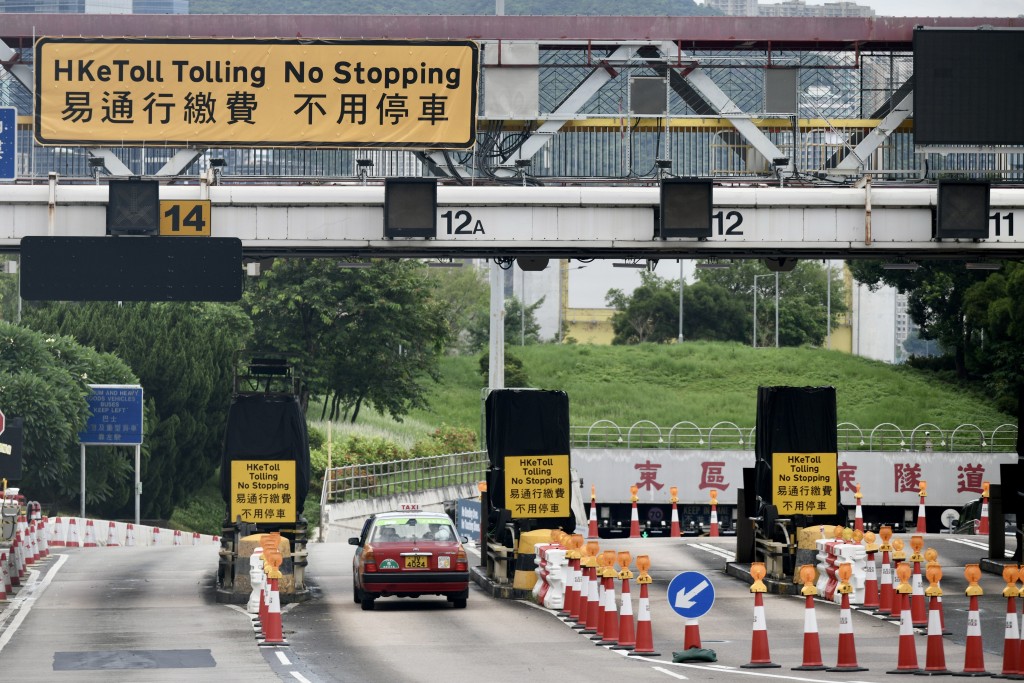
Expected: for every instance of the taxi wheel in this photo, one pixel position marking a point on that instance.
(357, 595)
(459, 603)
(367, 602)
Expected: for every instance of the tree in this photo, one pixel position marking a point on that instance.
(520, 325)
(359, 334)
(936, 294)
(464, 298)
(182, 354)
(719, 306)
(995, 307)
(649, 314)
(43, 380)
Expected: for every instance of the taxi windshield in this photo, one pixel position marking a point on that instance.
(411, 529)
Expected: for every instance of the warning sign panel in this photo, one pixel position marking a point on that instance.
(256, 92)
(537, 485)
(263, 491)
(805, 483)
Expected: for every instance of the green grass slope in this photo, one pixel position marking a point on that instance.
(706, 382)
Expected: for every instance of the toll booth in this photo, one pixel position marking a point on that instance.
(795, 478)
(264, 476)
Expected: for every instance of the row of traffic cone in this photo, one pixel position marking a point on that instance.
(264, 575)
(69, 537)
(634, 516)
(590, 605)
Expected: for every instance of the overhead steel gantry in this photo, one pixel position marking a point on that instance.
(480, 219)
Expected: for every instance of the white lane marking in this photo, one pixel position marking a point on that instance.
(25, 599)
(714, 550)
(299, 677)
(759, 672)
(980, 545)
(670, 673)
(281, 657)
(239, 609)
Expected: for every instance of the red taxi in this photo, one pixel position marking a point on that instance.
(408, 554)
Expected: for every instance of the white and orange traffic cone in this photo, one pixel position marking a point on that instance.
(673, 530)
(177, 537)
(112, 540)
(129, 535)
(273, 630)
(634, 517)
(611, 612)
(935, 656)
(90, 535)
(812, 644)
(195, 538)
(644, 635)
(601, 580)
(583, 603)
(1011, 639)
(594, 607)
(570, 582)
(43, 537)
(57, 541)
(918, 610)
(573, 602)
(592, 525)
(17, 562)
(760, 657)
(154, 536)
(5, 579)
(974, 655)
(983, 522)
(858, 517)
(870, 575)
(907, 660)
(847, 658)
(627, 632)
(922, 526)
(73, 540)
(714, 514)
(31, 553)
(885, 596)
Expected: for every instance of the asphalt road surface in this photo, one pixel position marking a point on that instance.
(149, 614)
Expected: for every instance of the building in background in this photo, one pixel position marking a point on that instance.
(789, 8)
(94, 6)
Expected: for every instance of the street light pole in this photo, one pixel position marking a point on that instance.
(680, 301)
(776, 309)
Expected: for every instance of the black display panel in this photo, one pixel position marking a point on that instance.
(131, 269)
(410, 207)
(963, 208)
(966, 87)
(686, 205)
(133, 207)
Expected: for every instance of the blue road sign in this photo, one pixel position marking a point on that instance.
(8, 142)
(467, 518)
(691, 594)
(116, 416)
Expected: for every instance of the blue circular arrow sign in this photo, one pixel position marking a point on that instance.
(691, 594)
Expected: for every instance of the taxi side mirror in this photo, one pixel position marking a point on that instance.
(354, 540)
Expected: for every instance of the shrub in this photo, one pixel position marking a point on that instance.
(446, 439)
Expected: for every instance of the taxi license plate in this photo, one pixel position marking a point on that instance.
(416, 562)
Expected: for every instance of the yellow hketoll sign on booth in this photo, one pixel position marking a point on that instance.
(263, 491)
(256, 92)
(805, 483)
(537, 486)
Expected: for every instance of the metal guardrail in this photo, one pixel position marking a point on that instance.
(355, 482)
(728, 435)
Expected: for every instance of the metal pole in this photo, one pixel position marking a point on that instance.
(828, 305)
(776, 309)
(680, 301)
(522, 313)
(138, 481)
(496, 366)
(82, 485)
(755, 311)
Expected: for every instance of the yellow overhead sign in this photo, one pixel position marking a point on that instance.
(263, 491)
(805, 483)
(185, 217)
(256, 92)
(537, 486)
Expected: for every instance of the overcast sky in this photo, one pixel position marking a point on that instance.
(938, 8)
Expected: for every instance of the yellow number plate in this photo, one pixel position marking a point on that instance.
(416, 562)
